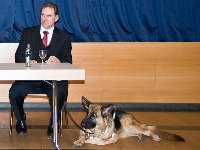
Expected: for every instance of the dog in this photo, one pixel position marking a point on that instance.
(105, 125)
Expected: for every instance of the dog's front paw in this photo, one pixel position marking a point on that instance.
(77, 143)
(141, 137)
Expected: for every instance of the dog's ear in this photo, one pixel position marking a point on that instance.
(85, 103)
(107, 110)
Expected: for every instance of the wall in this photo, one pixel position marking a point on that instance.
(130, 72)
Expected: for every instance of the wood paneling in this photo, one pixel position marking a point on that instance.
(178, 72)
(151, 72)
(116, 72)
(139, 72)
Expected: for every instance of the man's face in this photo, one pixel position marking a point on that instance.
(48, 17)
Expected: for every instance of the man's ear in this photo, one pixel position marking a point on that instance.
(85, 103)
(56, 18)
(107, 110)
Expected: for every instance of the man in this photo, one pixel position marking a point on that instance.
(58, 46)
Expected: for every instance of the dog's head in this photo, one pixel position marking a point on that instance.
(96, 114)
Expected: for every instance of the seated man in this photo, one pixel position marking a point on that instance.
(58, 46)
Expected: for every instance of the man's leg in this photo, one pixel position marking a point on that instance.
(18, 91)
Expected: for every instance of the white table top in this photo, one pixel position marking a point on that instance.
(59, 71)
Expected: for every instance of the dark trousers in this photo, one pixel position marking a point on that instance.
(20, 89)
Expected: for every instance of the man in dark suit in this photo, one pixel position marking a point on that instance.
(58, 46)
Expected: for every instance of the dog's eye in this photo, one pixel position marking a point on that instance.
(94, 115)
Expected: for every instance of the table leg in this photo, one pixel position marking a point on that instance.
(55, 122)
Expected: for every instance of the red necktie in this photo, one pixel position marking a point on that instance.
(44, 39)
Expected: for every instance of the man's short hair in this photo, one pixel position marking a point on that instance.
(51, 5)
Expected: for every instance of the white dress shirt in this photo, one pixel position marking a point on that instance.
(49, 36)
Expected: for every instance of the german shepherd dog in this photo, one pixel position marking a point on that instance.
(104, 125)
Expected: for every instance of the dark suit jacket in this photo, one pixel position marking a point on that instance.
(60, 45)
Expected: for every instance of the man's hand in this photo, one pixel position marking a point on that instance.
(33, 61)
(52, 59)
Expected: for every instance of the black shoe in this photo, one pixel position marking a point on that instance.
(21, 127)
(50, 129)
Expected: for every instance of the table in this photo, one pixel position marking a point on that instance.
(54, 72)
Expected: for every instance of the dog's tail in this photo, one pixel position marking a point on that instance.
(156, 134)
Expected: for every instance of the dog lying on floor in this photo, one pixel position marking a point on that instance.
(105, 125)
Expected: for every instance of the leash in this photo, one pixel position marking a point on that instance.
(67, 112)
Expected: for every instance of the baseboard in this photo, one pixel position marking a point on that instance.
(194, 107)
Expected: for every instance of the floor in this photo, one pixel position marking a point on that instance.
(185, 124)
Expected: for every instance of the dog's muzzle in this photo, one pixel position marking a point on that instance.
(87, 124)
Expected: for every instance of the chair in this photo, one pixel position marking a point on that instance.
(60, 125)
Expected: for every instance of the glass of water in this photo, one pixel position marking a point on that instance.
(42, 55)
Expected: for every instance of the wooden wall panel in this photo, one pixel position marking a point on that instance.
(178, 72)
(124, 89)
(178, 53)
(116, 72)
(178, 95)
(148, 72)
(178, 69)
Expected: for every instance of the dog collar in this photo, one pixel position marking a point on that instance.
(114, 114)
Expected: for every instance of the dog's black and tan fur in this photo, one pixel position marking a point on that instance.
(105, 125)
